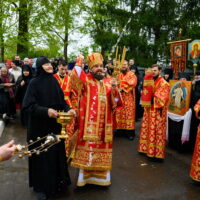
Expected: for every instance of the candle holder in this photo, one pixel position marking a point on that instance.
(42, 145)
(46, 142)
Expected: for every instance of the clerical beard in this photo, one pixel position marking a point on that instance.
(97, 76)
(155, 77)
(123, 71)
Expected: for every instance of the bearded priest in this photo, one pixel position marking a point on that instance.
(153, 129)
(97, 100)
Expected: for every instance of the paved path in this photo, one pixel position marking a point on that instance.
(134, 177)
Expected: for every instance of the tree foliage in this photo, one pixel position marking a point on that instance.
(34, 27)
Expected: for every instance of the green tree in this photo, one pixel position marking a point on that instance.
(7, 25)
(101, 24)
(56, 19)
(23, 8)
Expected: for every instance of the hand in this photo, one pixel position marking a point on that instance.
(22, 83)
(52, 113)
(72, 112)
(8, 84)
(7, 150)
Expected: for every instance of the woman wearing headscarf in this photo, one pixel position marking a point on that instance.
(21, 87)
(7, 96)
(48, 173)
(168, 74)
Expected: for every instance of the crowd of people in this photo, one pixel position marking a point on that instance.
(102, 103)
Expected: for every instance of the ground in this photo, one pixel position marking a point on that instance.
(134, 176)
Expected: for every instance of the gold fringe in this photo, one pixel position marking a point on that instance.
(195, 167)
(94, 174)
(104, 183)
(194, 178)
(108, 139)
(91, 138)
(140, 151)
(162, 157)
(99, 168)
(146, 103)
(148, 83)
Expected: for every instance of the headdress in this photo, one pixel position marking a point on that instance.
(184, 75)
(94, 59)
(41, 61)
(80, 60)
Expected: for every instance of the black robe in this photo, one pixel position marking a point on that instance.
(21, 90)
(48, 172)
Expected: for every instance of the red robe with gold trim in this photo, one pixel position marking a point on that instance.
(153, 129)
(95, 132)
(64, 84)
(125, 116)
(71, 100)
(195, 166)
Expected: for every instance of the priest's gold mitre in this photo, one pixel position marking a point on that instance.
(95, 59)
(80, 60)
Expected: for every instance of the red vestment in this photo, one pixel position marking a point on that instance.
(195, 166)
(125, 116)
(153, 129)
(147, 91)
(95, 132)
(64, 84)
(70, 98)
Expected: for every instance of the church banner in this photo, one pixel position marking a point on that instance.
(194, 51)
(178, 51)
(180, 94)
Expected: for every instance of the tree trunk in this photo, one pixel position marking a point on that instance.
(66, 44)
(156, 44)
(67, 7)
(22, 44)
(2, 46)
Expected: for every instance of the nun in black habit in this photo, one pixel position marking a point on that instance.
(48, 172)
(168, 74)
(21, 87)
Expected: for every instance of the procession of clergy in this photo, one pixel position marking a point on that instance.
(103, 103)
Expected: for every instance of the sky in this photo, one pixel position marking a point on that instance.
(79, 40)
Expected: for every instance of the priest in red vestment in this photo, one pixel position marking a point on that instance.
(125, 116)
(69, 95)
(153, 129)
(97, 100)
(195, 167)
(63, 80)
